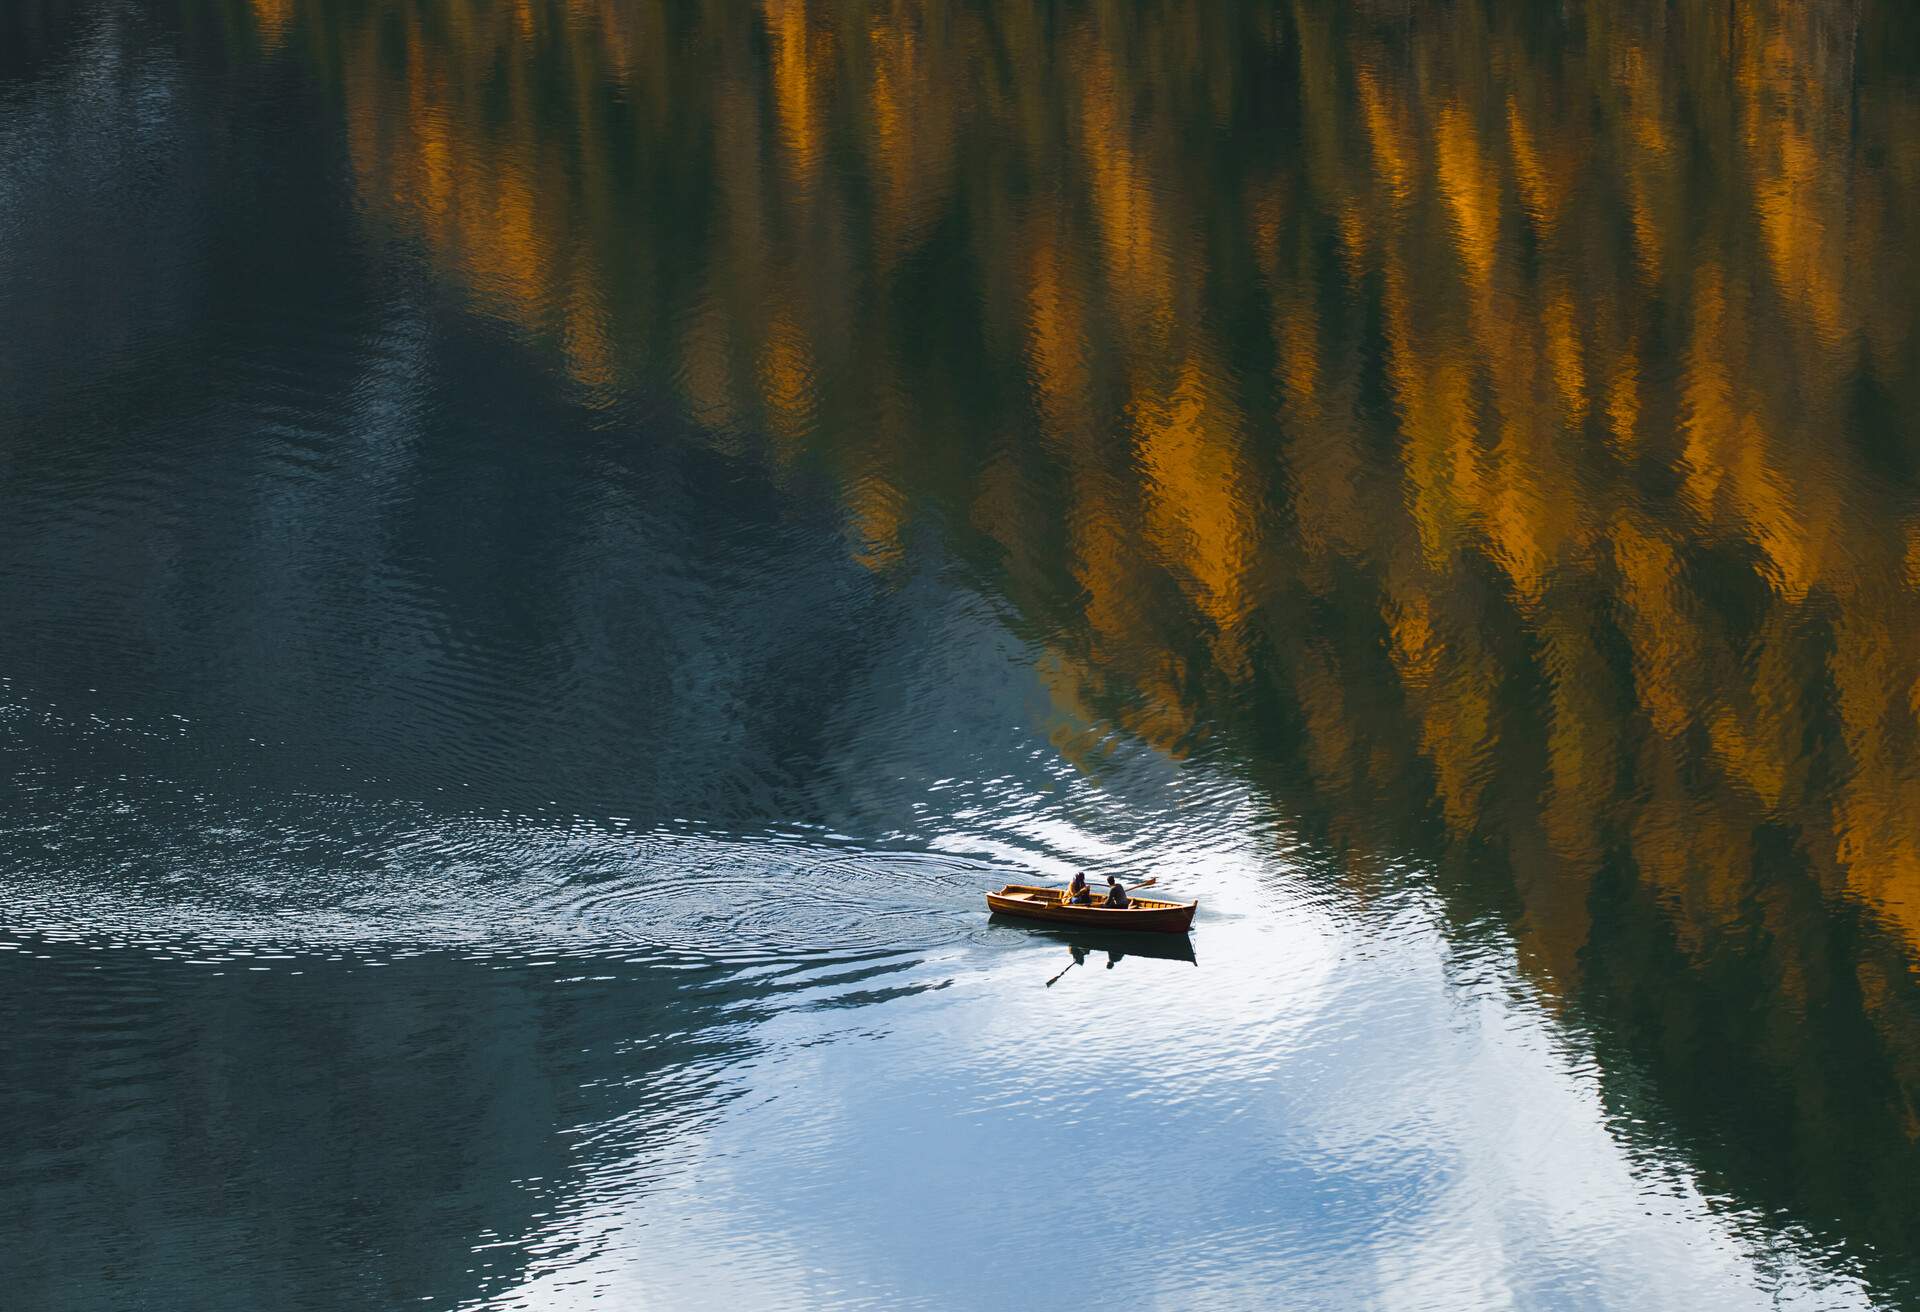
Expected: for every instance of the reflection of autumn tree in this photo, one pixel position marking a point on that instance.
(1499, 397)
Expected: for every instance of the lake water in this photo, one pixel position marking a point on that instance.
(550, 552)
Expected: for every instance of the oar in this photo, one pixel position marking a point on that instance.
(1069, 966)
(1145, 883)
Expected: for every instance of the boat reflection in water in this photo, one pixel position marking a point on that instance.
(1118, 944)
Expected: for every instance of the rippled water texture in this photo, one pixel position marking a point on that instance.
(550, 552)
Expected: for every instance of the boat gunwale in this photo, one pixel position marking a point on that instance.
(1048, 906)
(1056, 898)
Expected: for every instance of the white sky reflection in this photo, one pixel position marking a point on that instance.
(1395, 1136)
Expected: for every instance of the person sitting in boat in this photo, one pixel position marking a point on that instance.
(1078, 894)
(1116, 894)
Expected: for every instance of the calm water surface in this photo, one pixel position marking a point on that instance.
(549, 552)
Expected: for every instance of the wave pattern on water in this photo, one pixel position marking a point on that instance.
(510, 888)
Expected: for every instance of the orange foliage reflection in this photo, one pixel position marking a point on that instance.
(1491, 402)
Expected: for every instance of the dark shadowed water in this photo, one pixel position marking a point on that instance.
(550, 552)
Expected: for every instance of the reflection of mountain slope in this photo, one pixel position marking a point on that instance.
(1458, 412)
(1493, 329)
(1473, 421)
(1812, 1017)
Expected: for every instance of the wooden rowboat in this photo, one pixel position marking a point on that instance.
(1049, 904)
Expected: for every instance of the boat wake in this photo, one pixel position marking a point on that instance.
(336, 876)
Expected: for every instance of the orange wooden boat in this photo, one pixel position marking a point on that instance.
(1049, 904)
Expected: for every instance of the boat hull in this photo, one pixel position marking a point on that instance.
(1143, 915)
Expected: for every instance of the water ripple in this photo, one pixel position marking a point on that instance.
(376, 883)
